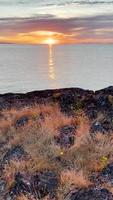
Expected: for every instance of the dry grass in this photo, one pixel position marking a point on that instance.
(73, 177)
(76, 164)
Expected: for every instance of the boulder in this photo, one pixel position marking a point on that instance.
(3, 185)
(103, 126)
(91, 112)
(66, 137)
(67, 101)
(102, 102)
(107, 174)
(97, 127)
(22, 185)
(91, 193)
(22, 121)
(45, 183)
(15, 153)
(38, 185)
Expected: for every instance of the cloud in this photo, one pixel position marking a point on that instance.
(77, 27)
(53, 23)
(52, 3)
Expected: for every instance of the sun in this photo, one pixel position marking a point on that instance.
(50, 41)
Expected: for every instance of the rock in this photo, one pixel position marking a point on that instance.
(45, 183)
(66, 102)
(107, 174)
(97, 127)
(39, 185)
(91, 193)
(15, 153)
(2, 144)
(91, 111)
(22, 121)
(2, 187)
(4, 104)
(107, 125)
(22, 185)
(66, 137)
(103, 103)
(102, 126)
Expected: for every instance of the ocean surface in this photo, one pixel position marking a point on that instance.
(26, 68)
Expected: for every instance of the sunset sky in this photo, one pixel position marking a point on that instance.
(65, 21)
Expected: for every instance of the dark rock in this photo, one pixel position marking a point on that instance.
(2, 187)
(38, 185)
(105, 91)
(92, 193)
(22, 185)
(107, 125)
(3, 103)
(66, 137)
(45, 183)
(15, 153)
(107, 174)
(22, 121)
(2, 144)
(66, 102)
(102, 103)
(68, 99)
(97, 127)
(102, 126)
(91, 111)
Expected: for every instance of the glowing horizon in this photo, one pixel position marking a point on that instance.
(50, 41)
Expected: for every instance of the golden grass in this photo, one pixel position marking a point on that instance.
(72, 177)
(76, 164)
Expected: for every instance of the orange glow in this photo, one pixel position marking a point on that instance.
(50, 38)
(39, 37)
(50, 41)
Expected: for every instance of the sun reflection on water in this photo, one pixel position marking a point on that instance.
(52, 74)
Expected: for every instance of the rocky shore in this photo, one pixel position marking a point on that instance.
(70, 100)
(85, 98)
(57, 145)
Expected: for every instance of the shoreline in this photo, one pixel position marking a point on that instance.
(54, 90)
(9, 100)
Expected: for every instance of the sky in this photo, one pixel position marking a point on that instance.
(64, 21)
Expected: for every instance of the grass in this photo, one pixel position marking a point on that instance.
(88, 155)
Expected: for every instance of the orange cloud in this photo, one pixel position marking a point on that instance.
(39, 37)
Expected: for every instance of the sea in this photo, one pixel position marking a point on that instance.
(25, 68)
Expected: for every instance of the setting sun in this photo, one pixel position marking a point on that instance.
(50, 41)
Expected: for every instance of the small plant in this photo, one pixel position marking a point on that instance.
(78, 106)
(103, 161)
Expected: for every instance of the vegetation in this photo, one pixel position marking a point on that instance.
(36, 135)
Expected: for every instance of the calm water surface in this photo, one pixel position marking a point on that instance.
(25, 68)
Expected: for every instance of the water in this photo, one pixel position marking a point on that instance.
(26, 68)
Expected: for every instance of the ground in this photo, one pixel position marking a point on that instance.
(57, 145)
